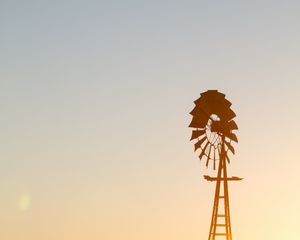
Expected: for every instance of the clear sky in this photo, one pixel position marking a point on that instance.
(95, 97)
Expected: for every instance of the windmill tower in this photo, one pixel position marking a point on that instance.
(213, 135)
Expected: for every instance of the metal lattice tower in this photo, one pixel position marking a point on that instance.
(213, 131)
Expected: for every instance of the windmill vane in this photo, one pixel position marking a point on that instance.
(213, 127)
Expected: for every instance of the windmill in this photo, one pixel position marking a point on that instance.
(213, 126)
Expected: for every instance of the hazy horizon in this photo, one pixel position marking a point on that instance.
(95, 100)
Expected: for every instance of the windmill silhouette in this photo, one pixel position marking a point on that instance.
(213, 134)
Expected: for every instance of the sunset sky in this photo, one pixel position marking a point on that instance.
(95, 101)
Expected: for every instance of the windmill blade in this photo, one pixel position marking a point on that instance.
(211, 92)
(232, 125)
(216, 97)
(227, 158)
(226, 103)
(232, 136)
(207, 161)
(209, 151)
(199, 108)
(230, 114)
(198, 144)
(230, 147)
(225, 114)
(197, 133)
(203, 151)
(208, 155)
(199, 122)
(202, 105)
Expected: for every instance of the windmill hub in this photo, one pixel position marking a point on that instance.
(216, 126)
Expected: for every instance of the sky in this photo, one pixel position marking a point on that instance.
(95, 101)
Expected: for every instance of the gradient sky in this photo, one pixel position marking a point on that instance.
(95, 97)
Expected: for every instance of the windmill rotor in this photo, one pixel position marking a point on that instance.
(213, 123)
